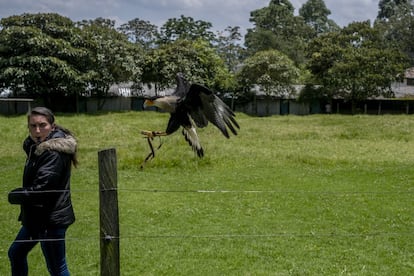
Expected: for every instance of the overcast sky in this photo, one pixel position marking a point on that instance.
(221, 13)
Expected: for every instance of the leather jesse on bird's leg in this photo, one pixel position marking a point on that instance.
(149, 135)
(152, 134)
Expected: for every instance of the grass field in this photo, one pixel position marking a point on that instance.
(290, 195)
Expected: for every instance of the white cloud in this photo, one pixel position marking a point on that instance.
(221, 13)
(345, 12)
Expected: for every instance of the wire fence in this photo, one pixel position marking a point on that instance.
(402, 195)
(155, 190)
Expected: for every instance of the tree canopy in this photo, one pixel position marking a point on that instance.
(42, 54)
(355, 63)
(195, 59)
(186, 27)
(141, 32)
(114, 58)
(276, 27)
(272, 71)
(395, 20)
(315, 13)
(46, 54)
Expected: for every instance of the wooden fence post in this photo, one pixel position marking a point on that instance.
(108, 213)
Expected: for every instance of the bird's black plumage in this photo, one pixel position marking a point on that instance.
(193, 105)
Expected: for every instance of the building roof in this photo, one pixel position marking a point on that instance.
(409, 73)
(126, 90)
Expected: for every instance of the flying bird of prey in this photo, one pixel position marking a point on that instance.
(190, 106)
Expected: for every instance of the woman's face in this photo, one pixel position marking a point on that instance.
(39, 127)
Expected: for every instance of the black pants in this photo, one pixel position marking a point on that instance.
(52, 242)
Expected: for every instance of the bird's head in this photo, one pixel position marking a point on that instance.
(150, 102)
(166, 103)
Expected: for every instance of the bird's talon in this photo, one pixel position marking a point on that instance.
(148, 134)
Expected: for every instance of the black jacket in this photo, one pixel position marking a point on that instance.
(45, 196)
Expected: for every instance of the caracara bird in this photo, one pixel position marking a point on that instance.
(191, 106)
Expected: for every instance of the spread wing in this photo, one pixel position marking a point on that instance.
(182, 86)
(203, 107)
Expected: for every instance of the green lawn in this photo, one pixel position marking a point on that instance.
(290, 195)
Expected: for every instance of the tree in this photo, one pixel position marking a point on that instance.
(392, 8)
(272, 71)
(141, 32)
(229, 48)
(42, 55)
(395, 20)
(232, 53)
(197, 60)
(115, 59)
(276, 27)
(354, 64)
(186, 28)
(315, 13)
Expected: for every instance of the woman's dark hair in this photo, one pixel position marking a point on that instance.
(50, 117)
(40, 110)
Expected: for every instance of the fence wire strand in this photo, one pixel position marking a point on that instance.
(226, 236)
(138, 190)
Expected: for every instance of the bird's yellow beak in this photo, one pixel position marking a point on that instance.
(148, 103)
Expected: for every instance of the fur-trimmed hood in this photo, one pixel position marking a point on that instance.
(65, 144)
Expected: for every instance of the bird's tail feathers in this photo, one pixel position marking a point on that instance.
(191, 137)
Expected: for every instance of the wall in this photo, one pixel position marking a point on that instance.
(10, 106)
